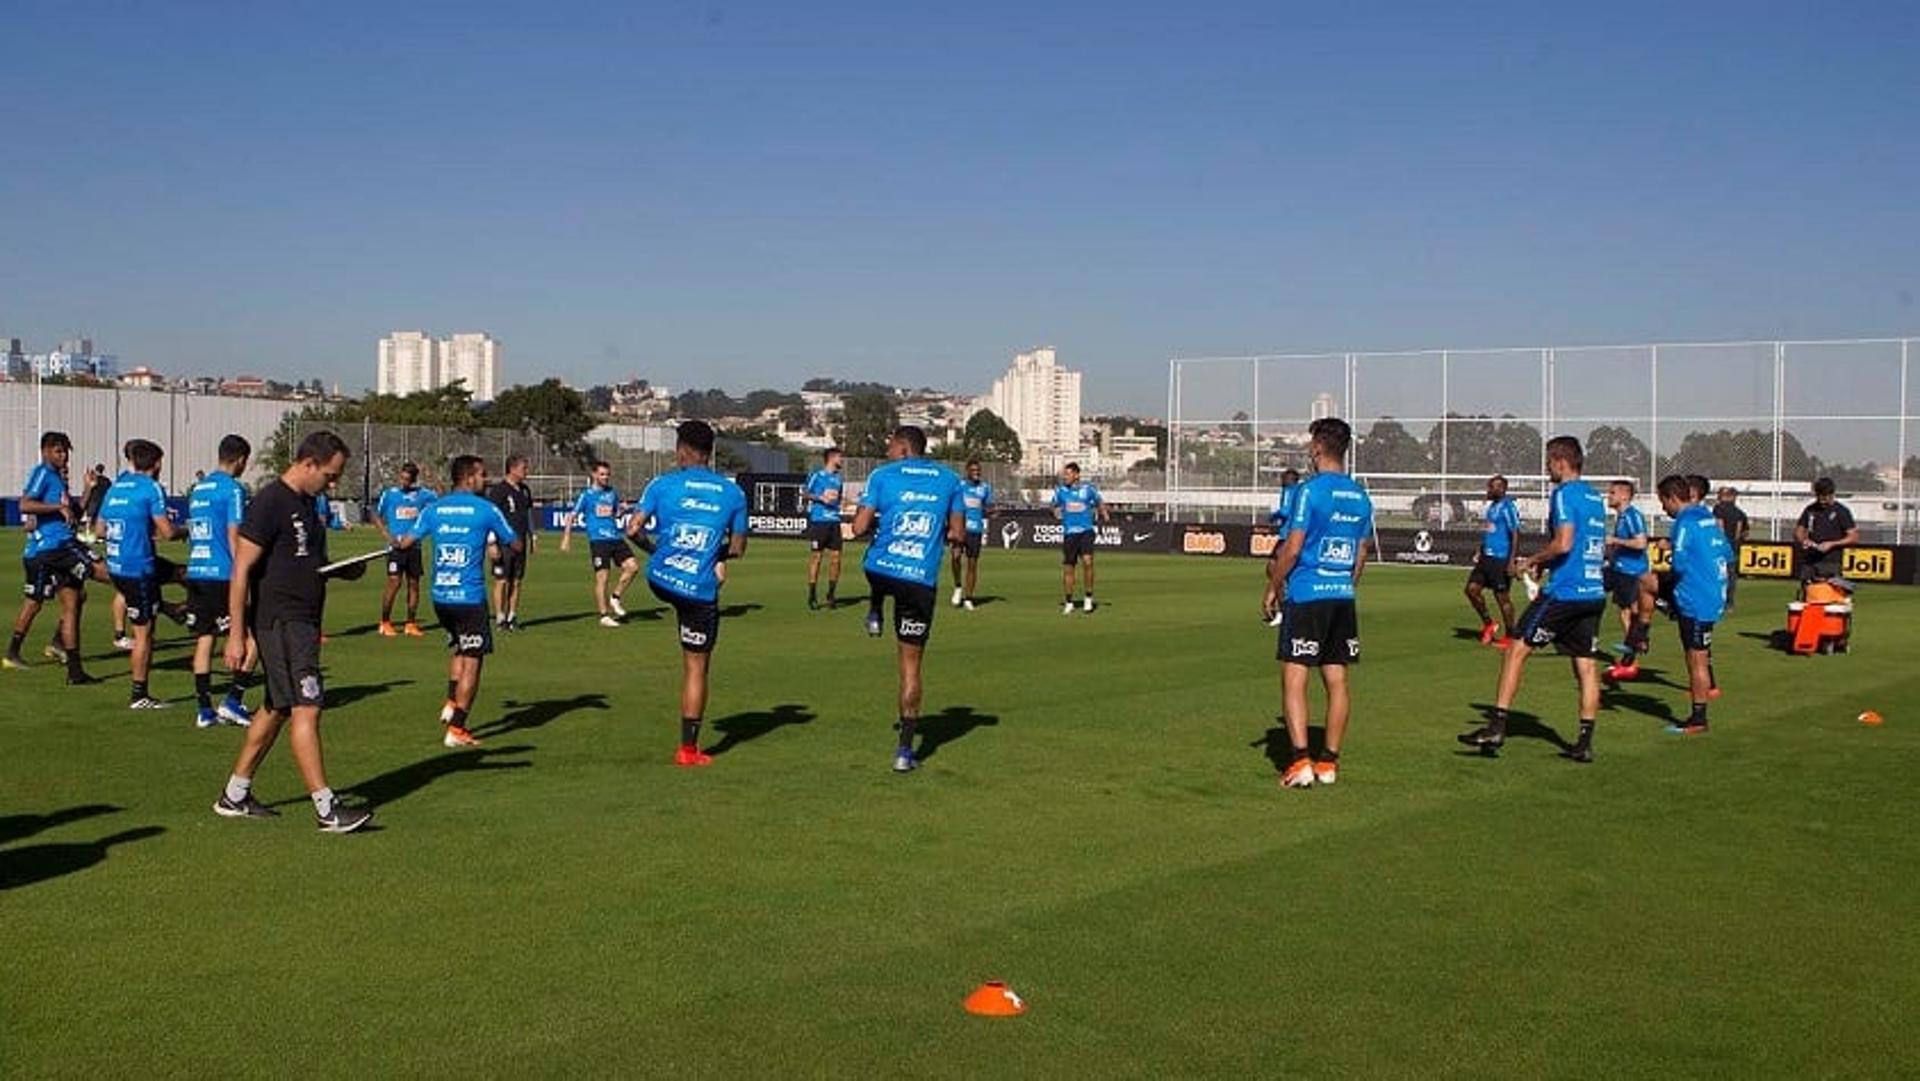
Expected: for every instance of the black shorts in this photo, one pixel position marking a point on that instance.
(823, 536)
(511, 566)
(207, 607)
(1694, 635)
(699, 620)
(970, 546)
(913, 607)
(404, 562)
(1624, 588)
(1073, 546)
(469, 628)
(142, 596)
(1663, 585)
(66, 566)
(1319, 633)
(1573, 626)
(608, 554)
(167, 572)
(1491, 572)
(290, 660)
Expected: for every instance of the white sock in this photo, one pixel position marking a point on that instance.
(238, 787)
(323, 802)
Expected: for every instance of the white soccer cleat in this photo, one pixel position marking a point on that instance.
(609, 621)
(1278, 618)
(958, 596)
(1086, 604)
(967, 604)
(618, 608)
(1066, 609)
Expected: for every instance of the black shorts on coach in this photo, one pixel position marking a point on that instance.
(290, 661)
(1317, 633)
(913, 607)
(699, 621)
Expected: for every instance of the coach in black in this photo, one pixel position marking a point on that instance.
(515, 500)
(283, 548)
(1824, 533)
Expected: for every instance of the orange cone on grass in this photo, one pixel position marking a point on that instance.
(995, 999)
(1870, 717)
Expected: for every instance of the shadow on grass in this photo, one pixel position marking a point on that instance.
(20, 827)
(1519, 726)
(1644, 704)
(1279, 746)
(29, 864)
(948, 725)
(525, 715)
(341, 697)
(569, 617)
(746, 727)
(734, 611)
(397, 784)
(990, 598)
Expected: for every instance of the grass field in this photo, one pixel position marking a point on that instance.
(1097, 823)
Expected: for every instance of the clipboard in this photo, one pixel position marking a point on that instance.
(350, 561)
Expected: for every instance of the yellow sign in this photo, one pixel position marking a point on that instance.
(1660, 555)
(1867, 564)
(1766, 560)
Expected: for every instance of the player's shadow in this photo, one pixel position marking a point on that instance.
(567, 617)
(948, 725)
(397, 784)
(20, 827)
(1644, 704)
(1656, 677)
(991, 598)
(29, 864)
(745, 727)
(1520, 726)
(341, 697)
(734, 611)
(525, 715)
(1278, 746)
(1466, 634)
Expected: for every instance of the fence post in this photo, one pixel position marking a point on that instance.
(1446, 394)
(1900, 481)
(1779, 426)
(1256, 424)
(1653, 417)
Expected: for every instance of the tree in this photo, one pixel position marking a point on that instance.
(1482, 444)
(870, 420)
(795, 416)
(990, 439)
(550, 409)
(1615, 451)
(1389, 448)
(1743, 455)
(1146, 466)
(759, 401)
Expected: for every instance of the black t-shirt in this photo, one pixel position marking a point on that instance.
(516, 502)
(1826, 523)
(1733, 520)
(96, 495)
(286, 583)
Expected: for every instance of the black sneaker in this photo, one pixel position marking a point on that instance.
(245, 807)
(1579, 752)
(82, 679)
(1486, 737)
(813, 604)
(344, 819)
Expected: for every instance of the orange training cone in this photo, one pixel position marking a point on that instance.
(1870, 717)
(995, 999)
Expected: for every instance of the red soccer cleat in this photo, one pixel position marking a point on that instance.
(1487, 632)
(457, 736)
(1503, 642)
(691, 756)
(1713, 693)
(1621, 673)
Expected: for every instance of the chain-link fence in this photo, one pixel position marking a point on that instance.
(1764, 418)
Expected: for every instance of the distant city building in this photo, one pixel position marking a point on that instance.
(143, 378)
(245, 386)
(1040, 401)
(473, 359)
(1322, 405)
(410, 361)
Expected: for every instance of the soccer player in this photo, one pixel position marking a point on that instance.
(1277, 517)
(1310, 584)
(134, 515)
(1733, 522)
(822, 497)
(598, 509)
(977, 497)
(1076, 503)
(278, 593)
(56, 563)
(463, 524)
(1701, 566)
(399, 507)
(1499, 536)
(215, 508)
(917, 508)
(515, 501)
(689, 521)
(1567, 612)
(1629, 578)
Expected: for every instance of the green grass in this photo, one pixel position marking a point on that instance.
(1100, 828)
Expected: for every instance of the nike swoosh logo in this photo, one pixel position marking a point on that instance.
(1138, 537)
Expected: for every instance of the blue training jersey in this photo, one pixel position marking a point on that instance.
(1502, 518)
(599, 512)
(50, 531)
(400, 507)
(1336, 515)
(1076, 503)
(461, 525)
(824, 484)
(1282, 510)
(1630, 523)
(214, 505)
(1702, 559)
(911, 498)
(975, 498)
(1579, 574)
(132, 504)
(692, 513)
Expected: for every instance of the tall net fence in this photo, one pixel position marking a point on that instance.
(1763, 418)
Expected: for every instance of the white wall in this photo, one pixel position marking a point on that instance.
(99, 420)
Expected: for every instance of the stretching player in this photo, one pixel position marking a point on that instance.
(1075, 504)
(1498, 539)
(398, 509)
(215, 508)
(977, 495)
(598, 510)
(688, 522)
(1629, 578)
(1701, 561)
(822, 496)
(1310, 584)
(134, 515)
(463, 524)
(1567, 613)
(916, 505)
(56, 563)
(515, 500)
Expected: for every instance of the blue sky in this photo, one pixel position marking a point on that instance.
(746, 194)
